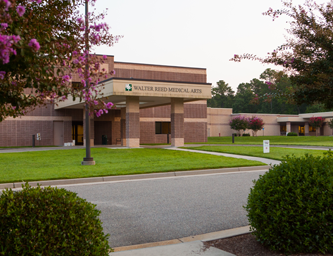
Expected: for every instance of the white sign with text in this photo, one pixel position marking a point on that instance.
(266, 146)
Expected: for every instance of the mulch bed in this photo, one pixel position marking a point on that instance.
(246, 245)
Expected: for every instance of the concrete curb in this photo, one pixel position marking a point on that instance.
(131, 177)
(204, 238)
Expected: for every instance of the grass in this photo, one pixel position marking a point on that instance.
(66, 164)
(275, 153)
(274, 140)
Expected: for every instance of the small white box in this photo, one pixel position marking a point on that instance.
(266, 146)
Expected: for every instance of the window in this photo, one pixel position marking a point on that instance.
(283, 128)
(162, 127)
(311, 129)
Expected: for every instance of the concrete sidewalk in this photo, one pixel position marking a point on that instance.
(187, 246)
(260, 159)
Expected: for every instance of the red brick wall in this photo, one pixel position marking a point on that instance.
(102, 128)
(19, 133)
(195, 132)
(159, 75)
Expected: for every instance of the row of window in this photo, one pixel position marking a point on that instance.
(283, 128)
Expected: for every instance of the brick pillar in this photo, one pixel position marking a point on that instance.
(91, 128)
(288, 127)
(123, 126)
(132, 122)
(177, 122)
(306, 129)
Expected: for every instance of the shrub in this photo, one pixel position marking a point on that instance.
(246, 134)
(292, 134)
(49, 221)
(290, 207)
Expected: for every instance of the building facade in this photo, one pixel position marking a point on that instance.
(275, 124)
(153, 104)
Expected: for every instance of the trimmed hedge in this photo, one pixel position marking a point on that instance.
(49, 221)
(245, 134)
(290, 208)
(292, 134)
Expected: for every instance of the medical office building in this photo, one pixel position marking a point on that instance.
(153, 104)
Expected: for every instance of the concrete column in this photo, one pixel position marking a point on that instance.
(132, 122)
(177, 122)
(91, 128)
(288, 127)
(123, 126)
(306, 129)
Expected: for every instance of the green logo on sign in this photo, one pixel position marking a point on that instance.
(128, 87)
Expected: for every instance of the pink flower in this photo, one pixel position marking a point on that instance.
(34, 44)
(20, 10)
(4, 26)
(7, 4)
(66, 78)
(109, 105)
(95, 102)
(104, 57)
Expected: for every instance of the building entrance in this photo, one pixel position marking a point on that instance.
(77, 132)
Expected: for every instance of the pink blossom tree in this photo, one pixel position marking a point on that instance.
(255, 124)
(316, 122)
(42, 47)
(239, 123)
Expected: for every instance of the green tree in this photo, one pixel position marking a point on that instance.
(222, 96)
(243, 99)
(307, 54)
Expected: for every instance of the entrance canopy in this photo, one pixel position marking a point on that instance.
(151, 93)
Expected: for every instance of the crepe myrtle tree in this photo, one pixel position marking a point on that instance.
(239, 123)
(307, 53)
(255, 124)
(316, 122)
(42, 47)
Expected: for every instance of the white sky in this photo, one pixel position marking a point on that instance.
(195, 33)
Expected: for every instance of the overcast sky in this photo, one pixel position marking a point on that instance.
(195, 33)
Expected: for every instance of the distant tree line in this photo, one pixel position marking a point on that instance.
(268, 94)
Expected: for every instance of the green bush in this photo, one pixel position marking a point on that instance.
(245, 134)
(49, 221)
(292, 134)
(290, 208)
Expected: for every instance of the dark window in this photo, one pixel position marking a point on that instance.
(283, 128)
(162, 127)
(312, 129)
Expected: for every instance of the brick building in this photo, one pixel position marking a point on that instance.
(154, 104)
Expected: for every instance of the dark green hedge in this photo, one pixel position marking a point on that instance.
(290, 208)
(292, 134)
(49, 221)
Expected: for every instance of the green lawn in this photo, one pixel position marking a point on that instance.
(274, 140)
(66, 164)
(275, 153)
